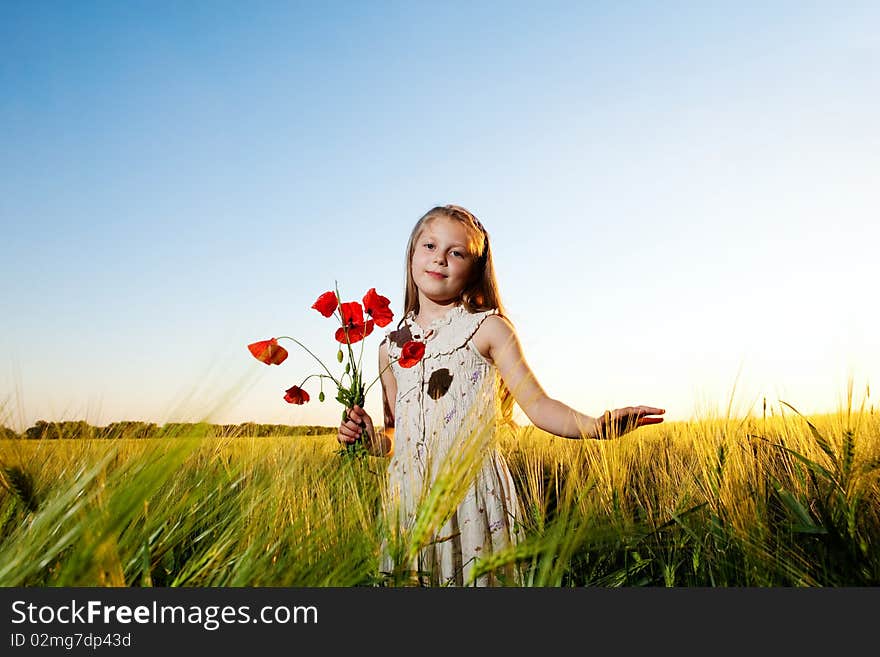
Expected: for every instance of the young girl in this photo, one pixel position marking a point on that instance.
(440, 424)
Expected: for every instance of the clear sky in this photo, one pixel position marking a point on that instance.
(682, 197)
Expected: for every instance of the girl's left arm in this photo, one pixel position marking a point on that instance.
(497, 336)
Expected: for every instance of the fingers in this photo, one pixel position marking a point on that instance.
(360, 416)
(639, 412)
(355, 418)
(650, 410)
(630, 418)
(357, 414)
(351, 430)
(348, 432)
(643, 413)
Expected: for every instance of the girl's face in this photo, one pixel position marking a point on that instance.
(442, 260)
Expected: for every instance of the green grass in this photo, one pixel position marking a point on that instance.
(781, 501)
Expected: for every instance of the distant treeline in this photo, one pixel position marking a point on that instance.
(78, 429)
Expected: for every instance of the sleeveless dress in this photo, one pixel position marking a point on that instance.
(450, 491)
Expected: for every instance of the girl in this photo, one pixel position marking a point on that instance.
(440, 426)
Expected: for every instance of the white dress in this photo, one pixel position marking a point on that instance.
(450, 493)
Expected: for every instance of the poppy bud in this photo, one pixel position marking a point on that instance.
(321, 396)
(339, 355)
(347, 368)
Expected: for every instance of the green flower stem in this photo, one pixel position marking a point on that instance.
(320, 362)
(312, 376)
(345, 330)
(378, 376)
(361, 355)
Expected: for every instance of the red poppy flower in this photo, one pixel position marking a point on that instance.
(411, 353)
(353, 320)
(268, 351)
(377, 307)
(296, 395)
(326, 304)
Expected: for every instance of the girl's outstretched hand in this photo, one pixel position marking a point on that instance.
(623, 420)
(350, 430)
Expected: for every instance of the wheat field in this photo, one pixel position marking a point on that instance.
(778, 501)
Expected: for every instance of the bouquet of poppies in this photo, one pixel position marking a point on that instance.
(350, 388)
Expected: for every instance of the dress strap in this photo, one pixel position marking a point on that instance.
(443, 336)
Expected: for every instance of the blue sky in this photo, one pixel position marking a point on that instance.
(682, 197)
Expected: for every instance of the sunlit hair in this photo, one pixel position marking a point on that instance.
(481, 292)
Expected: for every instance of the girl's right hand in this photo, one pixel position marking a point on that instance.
(350, 430)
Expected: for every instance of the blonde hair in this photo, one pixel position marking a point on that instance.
(480, 293)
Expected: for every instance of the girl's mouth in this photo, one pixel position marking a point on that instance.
(434, 274)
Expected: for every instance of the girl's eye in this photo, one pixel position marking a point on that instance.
(458, 254)
(429, 246)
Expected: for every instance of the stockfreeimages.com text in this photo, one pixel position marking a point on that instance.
(210, 617)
